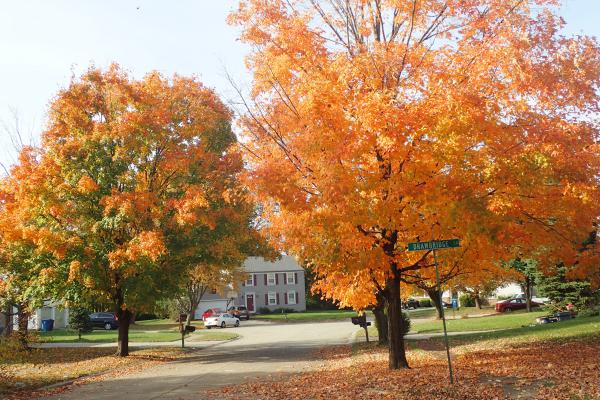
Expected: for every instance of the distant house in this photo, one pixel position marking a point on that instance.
(272, 285)
(50, 310)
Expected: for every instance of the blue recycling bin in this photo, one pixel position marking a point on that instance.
(47, 325)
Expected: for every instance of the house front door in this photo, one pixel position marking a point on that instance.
(250, 302)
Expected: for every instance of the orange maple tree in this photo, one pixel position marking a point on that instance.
(374, 123)
(130, 177)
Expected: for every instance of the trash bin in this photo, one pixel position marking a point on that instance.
(47, 325)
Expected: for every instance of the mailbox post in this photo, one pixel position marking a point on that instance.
(362, 322)
(183, 329)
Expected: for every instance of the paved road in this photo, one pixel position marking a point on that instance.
(263, 350)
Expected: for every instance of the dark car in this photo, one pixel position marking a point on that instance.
(514, 304)
(104, 320)
(239, 311)
(411, 304)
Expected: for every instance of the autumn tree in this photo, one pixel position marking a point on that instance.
(23, 271)
(126, 172)
(374, 123)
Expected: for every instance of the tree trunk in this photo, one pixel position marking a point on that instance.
(381, 321)
(397, 354)
(23, 322)
(434, 295)
(124, 317)
(477, 300)
(7, 316)
(528, 293)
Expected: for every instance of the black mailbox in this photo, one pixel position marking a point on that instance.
(361, 320)
(190, 328)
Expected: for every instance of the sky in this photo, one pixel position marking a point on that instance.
(43, 43)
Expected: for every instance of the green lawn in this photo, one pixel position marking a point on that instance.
(157, 330)
(212, 335)
(578, 329)
(487, 323)
(108, 336)
(160, 324)
(450, 314)
(308, 316)
(575, 329)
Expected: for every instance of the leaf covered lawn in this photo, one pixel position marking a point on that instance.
(22, 372)
(537, 370)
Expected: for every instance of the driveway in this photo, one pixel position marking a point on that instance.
(265, 351)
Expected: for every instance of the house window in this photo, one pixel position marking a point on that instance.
(291, 297)
(271, 280)
(272, 299)
(250, 280)
(290, 278)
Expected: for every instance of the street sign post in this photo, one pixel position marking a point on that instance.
(436, 245)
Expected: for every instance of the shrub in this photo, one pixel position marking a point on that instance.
(79, 321)
(283, 311)
(466, 300)
(264, 310)
(504, 297)
(424, 303)
(589, 312)
(405, 324)
(145, 317)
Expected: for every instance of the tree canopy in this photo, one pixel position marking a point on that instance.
(374, 123)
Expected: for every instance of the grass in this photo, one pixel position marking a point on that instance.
(155, 330)
(578, 328)
(109, 336)
(450, 314)
(212, 335)
(161, 325)
(488, 323)
(308, 316)
(485, 323)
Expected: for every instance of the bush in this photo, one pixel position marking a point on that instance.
(264, 310)
(79, 321)
(145, 317)
(466, 300)
(504, 297)
(425, 303)
(405, 323)
(283, 311)
(589, 312)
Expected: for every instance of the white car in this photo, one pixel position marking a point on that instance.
(221, 320)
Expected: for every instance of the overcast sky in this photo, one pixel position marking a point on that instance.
(44, 42)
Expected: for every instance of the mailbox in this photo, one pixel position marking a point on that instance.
(182, 318)
(361, 321)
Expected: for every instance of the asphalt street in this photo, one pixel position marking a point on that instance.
(264, 351)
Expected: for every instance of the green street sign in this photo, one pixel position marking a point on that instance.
(434, 245)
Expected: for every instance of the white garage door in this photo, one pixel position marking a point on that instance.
(206, 304)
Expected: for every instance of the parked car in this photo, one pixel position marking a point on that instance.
(221, 320)
(104, 320)
(541, 300)
(410, 304)
(210, 312)
(514, 304)
(239, 311)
